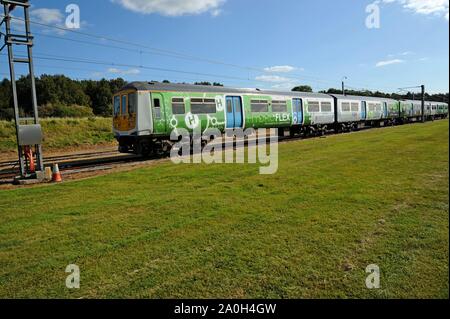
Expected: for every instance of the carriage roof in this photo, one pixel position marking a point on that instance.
(172, 87)
(362, 98)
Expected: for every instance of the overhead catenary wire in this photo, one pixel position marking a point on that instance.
(163, 52)
(199, 79)
(53, 57)
(143, 49)
(101, 74)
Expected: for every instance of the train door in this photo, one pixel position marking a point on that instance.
(385, 109)
(123, 112)
(297, 110)
(159, 113)
(235, 116)
(363, 110)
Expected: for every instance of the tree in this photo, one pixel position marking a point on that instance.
(6, 110)
(302, 88)
(116, 84)
(100, 95)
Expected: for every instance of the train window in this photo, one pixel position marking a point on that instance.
(325, 106)
(203, 106)
(345, 107)
(178, 106)
(279, 106)
(259, 106)
(313, 106)
(371, 107)
(355, 107)
(229, 106)
(116, 105)
(157, 108)
(132, 103)
(124, 104)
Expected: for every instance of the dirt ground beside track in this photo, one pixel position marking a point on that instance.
(104, 170)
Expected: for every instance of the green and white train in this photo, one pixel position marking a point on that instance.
(146, 113)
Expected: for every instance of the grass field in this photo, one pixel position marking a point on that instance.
(63, 133)
(335, 206)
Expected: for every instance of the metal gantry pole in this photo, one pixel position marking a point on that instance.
(7, 21)
(39, 159)
(33, 133)
(423, 103)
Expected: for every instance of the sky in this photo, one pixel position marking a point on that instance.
(269, 44)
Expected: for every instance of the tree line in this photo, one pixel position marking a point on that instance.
(60, 96)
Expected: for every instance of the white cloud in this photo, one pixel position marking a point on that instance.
(278, 82)
(389, 62)
(284, 86)
(280, 69)
(272, 78)
(405, 53)
(216, 12)
(47, 16)
(124, 72)
(173, 8)
(53, 17)
(426, 7)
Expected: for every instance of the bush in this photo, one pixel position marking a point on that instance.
(59, 110)
(6, 114)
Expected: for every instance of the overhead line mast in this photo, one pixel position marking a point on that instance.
(422, 89)
(28, 136)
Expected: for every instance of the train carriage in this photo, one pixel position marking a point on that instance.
(441, 110)
(146, 113)
(349, 112)
(354, 112)
(411, 111)
(435, 110)
(392, 111)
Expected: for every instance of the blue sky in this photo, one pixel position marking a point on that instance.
(270, 43)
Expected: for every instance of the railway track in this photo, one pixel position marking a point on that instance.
(5, 164)
(85, 162)
(72, 163)
(97, 161)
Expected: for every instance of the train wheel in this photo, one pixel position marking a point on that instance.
(144, 149)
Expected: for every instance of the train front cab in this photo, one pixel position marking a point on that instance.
(125, 105)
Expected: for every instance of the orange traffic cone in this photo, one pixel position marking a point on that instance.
(56, 176)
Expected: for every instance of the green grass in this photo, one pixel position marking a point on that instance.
(374, 197)
(63, 133)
